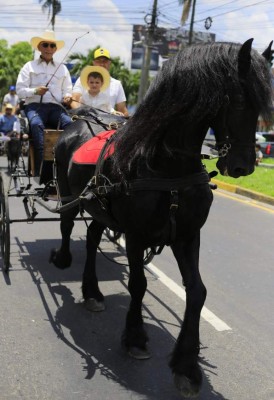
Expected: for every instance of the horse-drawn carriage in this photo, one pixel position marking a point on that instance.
(149, 181)
(21, 182)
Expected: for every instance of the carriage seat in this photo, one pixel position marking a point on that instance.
(89, 152)
(46, 170)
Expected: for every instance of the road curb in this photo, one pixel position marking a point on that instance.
(244, 192)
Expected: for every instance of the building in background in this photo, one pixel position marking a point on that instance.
(166, 43)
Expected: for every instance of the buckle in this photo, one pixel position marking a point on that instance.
(101, 190)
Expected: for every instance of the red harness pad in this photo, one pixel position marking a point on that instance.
(89, 152)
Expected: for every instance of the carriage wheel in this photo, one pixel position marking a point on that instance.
(113, 236)
(148, 256)
(4, 225)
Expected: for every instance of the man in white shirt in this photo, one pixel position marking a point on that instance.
(44, 84)
(115, 90)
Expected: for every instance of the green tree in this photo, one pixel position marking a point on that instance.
(130, 81)
(53, 7)
(11, 61)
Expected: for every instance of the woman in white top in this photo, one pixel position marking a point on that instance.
(95, 81)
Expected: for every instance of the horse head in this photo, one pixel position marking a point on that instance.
(236, 121)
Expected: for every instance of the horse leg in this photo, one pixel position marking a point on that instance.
(184, 361)
(61, 257)
(134, 337)
(94, 299)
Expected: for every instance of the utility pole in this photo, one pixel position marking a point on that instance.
(191, 23)
(147, 54)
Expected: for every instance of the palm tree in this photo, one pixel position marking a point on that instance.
(186, 9)
(80, 61)
(185, 14)
(53, 7)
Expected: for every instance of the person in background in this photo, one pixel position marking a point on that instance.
(115, 90)
(44, 84)
(7, 123)
(11, 98)
(259, 154)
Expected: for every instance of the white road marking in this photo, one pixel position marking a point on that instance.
(206, 314)
(211, 318)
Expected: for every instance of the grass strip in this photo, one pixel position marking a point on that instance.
(261, 181)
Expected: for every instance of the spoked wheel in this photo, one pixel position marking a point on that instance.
(4, 225)
(148, 256)
(113, 236)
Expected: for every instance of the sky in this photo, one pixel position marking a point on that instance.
(109, 22)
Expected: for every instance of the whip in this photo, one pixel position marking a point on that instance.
(69, 50)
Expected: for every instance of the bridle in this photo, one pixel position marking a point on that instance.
(223, 151)
(224, 146)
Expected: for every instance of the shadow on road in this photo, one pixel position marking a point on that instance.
(96, 336)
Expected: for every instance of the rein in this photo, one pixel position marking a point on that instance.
(111, 125)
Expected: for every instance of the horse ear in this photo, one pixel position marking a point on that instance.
(244, 58)
(267, 54)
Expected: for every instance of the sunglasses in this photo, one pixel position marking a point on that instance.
(52, 45)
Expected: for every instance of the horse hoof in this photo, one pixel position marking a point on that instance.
(94, 305)
(59, 262)
(139, 354)
(186, 388)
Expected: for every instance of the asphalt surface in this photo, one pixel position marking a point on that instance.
(53, 349)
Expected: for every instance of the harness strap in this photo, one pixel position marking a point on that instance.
(172, 213)
(161, 184)
(101, 159)
(90, 127)
(167, 184)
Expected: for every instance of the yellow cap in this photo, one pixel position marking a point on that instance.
(101, 53)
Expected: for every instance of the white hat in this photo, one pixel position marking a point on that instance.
(101, 70)
(48, 36)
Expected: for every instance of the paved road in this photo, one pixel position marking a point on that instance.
(53, 349)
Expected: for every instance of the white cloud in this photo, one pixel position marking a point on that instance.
(108, 27)
(243, 23)
(22, 14)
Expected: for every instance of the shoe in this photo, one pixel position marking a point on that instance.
(51, 193)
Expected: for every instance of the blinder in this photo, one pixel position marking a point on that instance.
(225, 145)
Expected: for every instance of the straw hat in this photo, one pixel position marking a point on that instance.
(9, 106)
(87, 70)
(47, 36)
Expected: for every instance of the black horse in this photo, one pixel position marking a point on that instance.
(154, 187)
(13, 149)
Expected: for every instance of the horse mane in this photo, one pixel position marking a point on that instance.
(189, 88)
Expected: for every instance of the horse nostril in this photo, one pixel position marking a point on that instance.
(237, 172)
